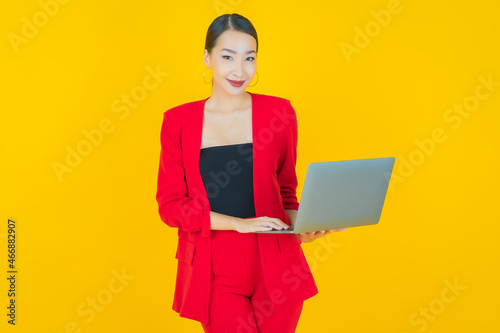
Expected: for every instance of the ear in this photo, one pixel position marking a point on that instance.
(206, 59)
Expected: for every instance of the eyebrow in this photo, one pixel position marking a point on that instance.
(232, 51)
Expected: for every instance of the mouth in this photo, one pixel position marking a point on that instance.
(236, 83)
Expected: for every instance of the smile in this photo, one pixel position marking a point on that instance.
(236, 83)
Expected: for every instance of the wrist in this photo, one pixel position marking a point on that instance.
(234, 222)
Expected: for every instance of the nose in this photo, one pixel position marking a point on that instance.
(238, 71)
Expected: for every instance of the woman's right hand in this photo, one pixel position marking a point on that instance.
(261, 223)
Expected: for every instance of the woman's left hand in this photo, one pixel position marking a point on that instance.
(307, 237)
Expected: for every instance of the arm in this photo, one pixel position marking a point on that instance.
(287, 176)
(176, 209)
(292, 215)
(222, 221)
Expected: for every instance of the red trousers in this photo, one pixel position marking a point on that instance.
(239, 302)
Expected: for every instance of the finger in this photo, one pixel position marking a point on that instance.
(278, 225)
(267, 225)
(279, 222)
(275, 222)
(264, 228)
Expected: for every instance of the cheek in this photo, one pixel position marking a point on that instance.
(221, 68)
(251, 67)
(250, 64)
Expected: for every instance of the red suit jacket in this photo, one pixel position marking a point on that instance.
(183, 203)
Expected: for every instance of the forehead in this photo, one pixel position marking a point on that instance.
(236, 40)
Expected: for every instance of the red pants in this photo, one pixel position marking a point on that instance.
(239, 302)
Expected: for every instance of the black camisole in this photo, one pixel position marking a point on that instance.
(227, 173)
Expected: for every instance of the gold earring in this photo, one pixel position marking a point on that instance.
(255, 81)
(204, 76)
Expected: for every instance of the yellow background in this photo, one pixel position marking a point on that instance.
(440, 221)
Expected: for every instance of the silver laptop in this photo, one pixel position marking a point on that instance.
(342, 194)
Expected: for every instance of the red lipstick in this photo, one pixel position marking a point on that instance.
(236, 83)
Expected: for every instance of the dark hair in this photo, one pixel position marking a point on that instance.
(229, 22)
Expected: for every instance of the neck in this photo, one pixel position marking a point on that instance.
(225, 102)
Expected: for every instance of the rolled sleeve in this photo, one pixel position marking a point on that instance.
(175, 208)
(287, 176)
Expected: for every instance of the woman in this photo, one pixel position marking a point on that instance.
(227, 170)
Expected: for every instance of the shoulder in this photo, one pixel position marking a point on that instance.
(271, 100)
(276, 106)
(182, 111)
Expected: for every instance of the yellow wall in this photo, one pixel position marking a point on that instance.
(396, 91)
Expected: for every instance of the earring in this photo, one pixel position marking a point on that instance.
(204, 76)
(257, 79)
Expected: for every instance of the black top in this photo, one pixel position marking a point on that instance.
(227, 173)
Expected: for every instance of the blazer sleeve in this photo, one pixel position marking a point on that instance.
(176, 209)
(287, 176)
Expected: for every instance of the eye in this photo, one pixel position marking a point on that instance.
(252, 58)
(224, 56)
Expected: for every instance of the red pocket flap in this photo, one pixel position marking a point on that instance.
(185, 251)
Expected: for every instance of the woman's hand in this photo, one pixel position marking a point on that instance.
(261, 223)
(307, 237)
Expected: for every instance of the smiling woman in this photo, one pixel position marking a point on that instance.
(227, 170)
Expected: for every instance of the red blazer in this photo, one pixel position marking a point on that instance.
(183, 203)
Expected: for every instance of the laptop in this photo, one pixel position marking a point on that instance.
(342, 194)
